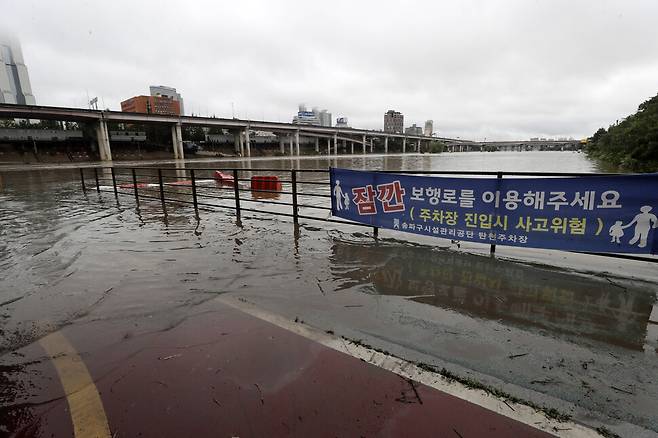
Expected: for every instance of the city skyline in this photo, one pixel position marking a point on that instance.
(503, 82)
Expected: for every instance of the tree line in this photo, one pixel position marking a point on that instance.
(632, 143)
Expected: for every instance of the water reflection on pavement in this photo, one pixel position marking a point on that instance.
(574, 307)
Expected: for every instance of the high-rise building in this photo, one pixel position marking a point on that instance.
(313, 117)
(393, 121)
(151, 105)
(164, 91)
(14, 79)
(429, 128)
(325, 118)
(414, 130)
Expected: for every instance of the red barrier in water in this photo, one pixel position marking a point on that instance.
(224, 178)
(266, 182)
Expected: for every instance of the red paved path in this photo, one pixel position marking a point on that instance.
(230, 374)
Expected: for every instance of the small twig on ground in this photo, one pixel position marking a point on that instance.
(320, 287)
(170, 357)
(514, 356)
(413, 386)
(621, 390)
(616, 285)
(458, 434)
(262, 401)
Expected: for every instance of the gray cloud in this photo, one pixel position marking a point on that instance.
(504, 69)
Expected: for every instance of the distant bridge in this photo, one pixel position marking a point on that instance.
(240, 128)
(512, 145)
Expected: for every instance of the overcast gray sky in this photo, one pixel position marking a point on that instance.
(494, 69)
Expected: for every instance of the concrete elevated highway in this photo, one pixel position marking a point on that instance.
(240, 128)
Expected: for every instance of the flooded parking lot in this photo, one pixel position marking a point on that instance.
(567, 331)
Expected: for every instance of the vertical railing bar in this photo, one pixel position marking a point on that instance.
(98, 187)
(162, 197)
(114, 184)
(293, 179)
(194, 198)
(82, 180)
(135, 187)
(236, 191)
(499, 176)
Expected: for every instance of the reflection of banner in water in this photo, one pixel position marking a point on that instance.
(500, 290)
(603, 214)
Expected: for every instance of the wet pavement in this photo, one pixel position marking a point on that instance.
(223, 373)
(128, 289)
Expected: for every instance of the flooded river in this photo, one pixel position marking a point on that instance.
(560, 329)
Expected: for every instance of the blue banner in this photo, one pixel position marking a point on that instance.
(599, 213)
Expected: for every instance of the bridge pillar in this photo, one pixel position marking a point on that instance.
(351, 146)
(336, 143)
(386, 144)
(297, 142)
(292, 151)
(363, 145)
(177, 141)
(247, 141)
(317, 145)
(404, 145)
(372, 145)
(236, 141)
(103, 140)
(418, 145)
(281, 145)
(328, 146)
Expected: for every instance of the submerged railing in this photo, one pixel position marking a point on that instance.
(198, 187)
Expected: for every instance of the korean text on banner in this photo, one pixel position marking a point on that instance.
(598, 213)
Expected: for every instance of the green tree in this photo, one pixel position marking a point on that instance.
(436, 147)
(631, 144)
(193, 133)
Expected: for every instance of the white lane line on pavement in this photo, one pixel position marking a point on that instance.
(521, 413)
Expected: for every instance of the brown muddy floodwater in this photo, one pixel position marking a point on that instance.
(560, 329)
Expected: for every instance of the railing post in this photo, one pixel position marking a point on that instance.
(375, 232)
(293, 179)
(236, 191)
(162, 197)
(135, 187)
(98, 187)
(82, 180)
(196, 207)
(114, 184)
(492, 248)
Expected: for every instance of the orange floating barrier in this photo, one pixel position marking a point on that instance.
(266, 183)
(224, 178)
(132, 186)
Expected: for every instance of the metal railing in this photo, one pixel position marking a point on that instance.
(191, 187)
